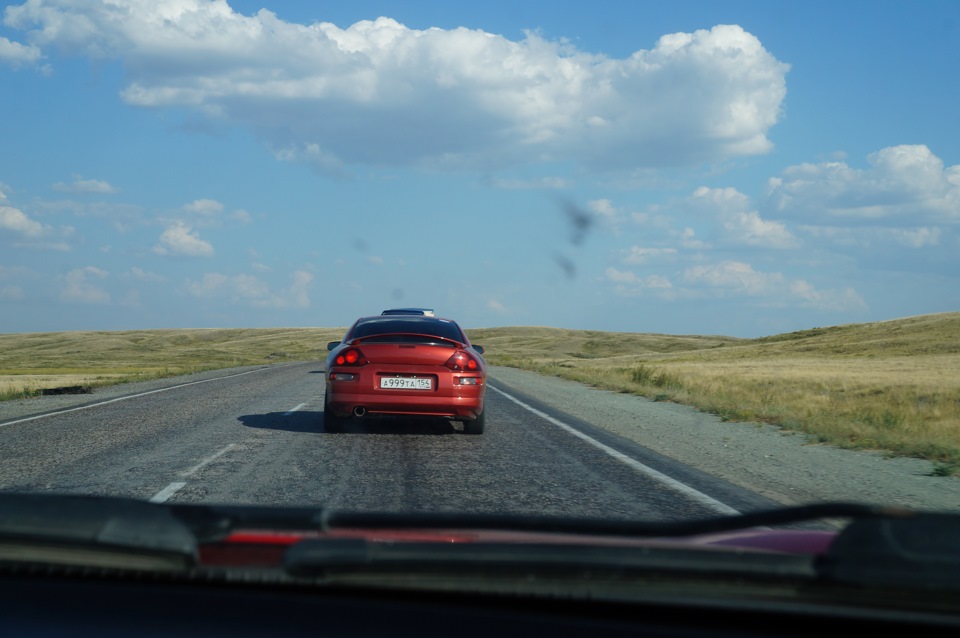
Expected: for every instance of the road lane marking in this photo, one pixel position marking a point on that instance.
(289, 412)
(167, 492)
(672, 483)
(202, 464)
(132, 396)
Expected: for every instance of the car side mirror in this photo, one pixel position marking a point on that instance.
(333, 344)
(477, 348)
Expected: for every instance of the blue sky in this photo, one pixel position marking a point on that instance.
(738, 168)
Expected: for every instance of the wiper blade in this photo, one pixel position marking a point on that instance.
(330, 519)
(93, 531)
(324, 557)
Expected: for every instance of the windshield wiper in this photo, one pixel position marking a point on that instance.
(93, 531)
(331, 519)
(324, 557)
(881, 546)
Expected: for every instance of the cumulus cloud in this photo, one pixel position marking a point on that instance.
(732, 279)
(79, 286)
(204, 207)
(180, 239)
(16, 55)
(738, 279)
(380, 93)
(629, 284)
(739, 224)
(879, 237)
(80, 185)
(139, 274)
(252, 291)
(902, 185)
(641, 255)
(16, 221)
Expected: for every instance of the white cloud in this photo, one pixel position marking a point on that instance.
(179, 239)
(139, 274)
(251, 291)
(736, 277)
(536, 183)
(748, 228)
(879, 237)
(78, 287)
(640, 255)
(16, 55)
(902, 185)
(739, 224)
(204, 207)
(380, 93)
(739, 279)
(15, 220)
(497, 306)
(604, 208)
(80, 185)
(629, 284)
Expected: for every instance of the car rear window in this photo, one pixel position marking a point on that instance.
(394, 325)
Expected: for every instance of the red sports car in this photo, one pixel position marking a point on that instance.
(400, 364)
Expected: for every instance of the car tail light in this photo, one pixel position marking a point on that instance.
(351, 357)
(461, 361)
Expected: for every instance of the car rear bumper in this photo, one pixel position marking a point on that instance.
(461, 408)
(447, 399)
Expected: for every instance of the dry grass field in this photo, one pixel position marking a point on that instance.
(32, 362)
(892, 386)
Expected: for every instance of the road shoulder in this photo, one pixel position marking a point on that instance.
(765, 459)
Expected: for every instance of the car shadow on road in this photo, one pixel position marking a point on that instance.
(312, 422)
(299, 421)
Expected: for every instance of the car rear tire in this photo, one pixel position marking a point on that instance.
(476, 425)
(331, 423)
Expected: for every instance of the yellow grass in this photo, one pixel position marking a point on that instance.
(30, 362)
(892, 386)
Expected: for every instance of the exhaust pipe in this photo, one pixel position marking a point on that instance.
(359, 411)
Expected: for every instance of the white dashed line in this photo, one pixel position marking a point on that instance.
(289, 412)
(683, 488)
(167, 492)
(213, 457)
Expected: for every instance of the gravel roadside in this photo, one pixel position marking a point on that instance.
(765, 459)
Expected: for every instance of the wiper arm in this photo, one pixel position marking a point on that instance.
(605, 527)
(93, 531)
(325, 557)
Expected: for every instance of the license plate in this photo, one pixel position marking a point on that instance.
(405, 383)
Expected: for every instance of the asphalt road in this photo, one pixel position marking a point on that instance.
(257, 436)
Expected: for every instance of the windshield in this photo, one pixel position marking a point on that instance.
(705, 254)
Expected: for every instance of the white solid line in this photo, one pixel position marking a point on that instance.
(132, 396)
(209, 459)
(289, 412)
(672, 483)
(167, 492)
